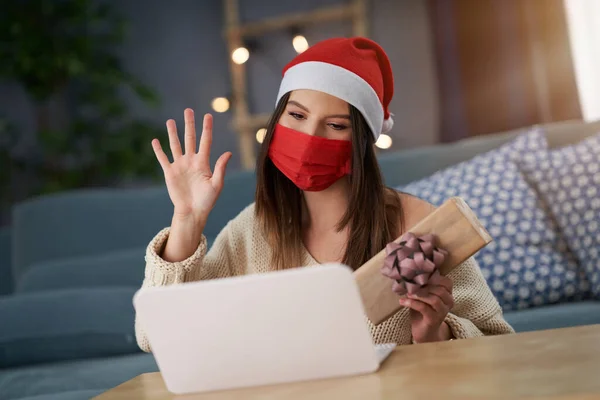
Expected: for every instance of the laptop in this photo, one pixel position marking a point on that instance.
(286, 326)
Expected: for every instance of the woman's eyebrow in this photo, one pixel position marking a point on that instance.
(298, 105)
(345, 116)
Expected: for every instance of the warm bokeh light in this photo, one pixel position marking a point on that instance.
(384, 142)
(220, 104)
(260, 135)
(300, 43)
(240, 55)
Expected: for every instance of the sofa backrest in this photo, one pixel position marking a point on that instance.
(90, 222)
(563, 133)
(85, 222)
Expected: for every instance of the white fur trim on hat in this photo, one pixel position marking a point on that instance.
(388, 124)
(338, 82)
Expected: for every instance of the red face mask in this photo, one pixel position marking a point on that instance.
(313, 163)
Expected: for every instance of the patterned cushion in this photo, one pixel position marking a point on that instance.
(568, 180)
(528, 263)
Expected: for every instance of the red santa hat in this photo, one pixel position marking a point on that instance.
(356, 70)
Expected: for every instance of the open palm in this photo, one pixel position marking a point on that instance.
(192, 186)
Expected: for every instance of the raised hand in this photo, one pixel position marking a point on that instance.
(192, 186)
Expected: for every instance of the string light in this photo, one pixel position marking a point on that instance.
(220, 104)
(240, 55)
(300, 43)
(384, 142)
(260, 135)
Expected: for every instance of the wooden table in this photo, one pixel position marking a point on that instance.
(552, 364)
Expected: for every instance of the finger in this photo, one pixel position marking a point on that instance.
(160, 155)
(190, 131)
(174, 139)
(439, 301)
(428, 313)
(446, 283)
(206, 140)
(444, 295)
(220, 167)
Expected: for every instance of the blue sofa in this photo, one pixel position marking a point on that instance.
(70, 264)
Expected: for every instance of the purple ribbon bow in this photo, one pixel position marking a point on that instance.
(413, 263)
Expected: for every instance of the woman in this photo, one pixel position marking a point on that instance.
(319, 197)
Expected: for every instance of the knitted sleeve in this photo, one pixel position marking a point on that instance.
(221, 261)
(476, 311)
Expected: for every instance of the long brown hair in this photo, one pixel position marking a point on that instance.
(374, 216)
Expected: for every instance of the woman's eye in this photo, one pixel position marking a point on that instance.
(338, 127)
(296, 115)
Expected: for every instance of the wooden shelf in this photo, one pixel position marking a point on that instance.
(252, 122)
(243, 122)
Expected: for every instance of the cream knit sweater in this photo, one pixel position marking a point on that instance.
(240, 248)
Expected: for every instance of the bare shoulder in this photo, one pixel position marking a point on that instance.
(414, 209)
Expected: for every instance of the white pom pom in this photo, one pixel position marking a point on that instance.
(387, 124)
